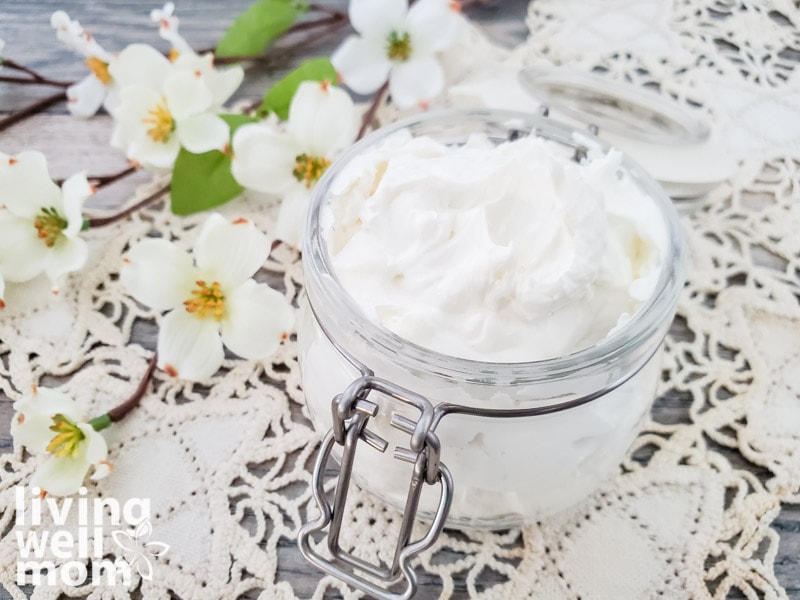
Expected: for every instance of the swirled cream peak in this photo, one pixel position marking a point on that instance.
(499, 253)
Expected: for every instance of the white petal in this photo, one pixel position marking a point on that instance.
(86, 97)
(158, 156)
(187, 94)
(66, 256)
(362, 64)
(433, 25)
(2, 289)
(292, 218)
(31, 425)
(202, 133)
(96, 447)
(322, 118)
(140, 65)
(158, 274)
(258, 317)
(189, 347)
(25, 184)
(34, 431)
(75, 190)
(23, 255)
(60, 476)
(230, 251)
(224, 82)
(263, 158)
(416, 81)
(377, 18)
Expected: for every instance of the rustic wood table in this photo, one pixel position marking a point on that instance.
(71, 144)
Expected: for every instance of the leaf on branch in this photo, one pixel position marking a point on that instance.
(258, 26)
(280, 95)
(203, 181)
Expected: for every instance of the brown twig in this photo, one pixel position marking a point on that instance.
(119, 412)
(29, 81)
(36, 77)
(31, 109)
(329, 24)
(369, 116)
(101, 181)
(327, 10)
(103, 221)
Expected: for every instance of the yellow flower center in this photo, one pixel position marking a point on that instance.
(49, 226)
(206, 301)
(174, 53)
(398, 46)
(309, 169)
(68, 437)
(161, 122)
(99, 68)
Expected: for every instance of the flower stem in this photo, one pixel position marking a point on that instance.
(31, 109)
(369, 116)
(119, 412)
(35, 77)
(29, 81)
(103, 221)
(325, 24)
(101, 181)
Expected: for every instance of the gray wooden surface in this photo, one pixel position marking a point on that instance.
(71, 145)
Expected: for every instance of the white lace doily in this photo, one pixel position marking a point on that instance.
(227, 467)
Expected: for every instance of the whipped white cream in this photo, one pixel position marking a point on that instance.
(505, 253)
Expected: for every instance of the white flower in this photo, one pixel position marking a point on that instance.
(39, 223)
(398, 43)
(97, 88)
(288, 163)
(168, 29)
(214, 296)
(168, 105)
(49, 422)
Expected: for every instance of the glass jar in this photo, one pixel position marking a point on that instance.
(521, 440)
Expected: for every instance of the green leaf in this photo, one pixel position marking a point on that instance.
(258, 26)
(280, 95)
(203, 181)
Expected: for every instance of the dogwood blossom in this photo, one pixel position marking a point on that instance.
(212, 301)
(39, 223)
(49, 423)
(398, 43)
(98, 88)
(168, 29)
(167, 105)
(289, 162)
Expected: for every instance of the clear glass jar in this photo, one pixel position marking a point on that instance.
(507, 468)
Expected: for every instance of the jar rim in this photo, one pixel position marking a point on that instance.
(320, 275)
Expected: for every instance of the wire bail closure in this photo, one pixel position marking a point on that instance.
(352, 410)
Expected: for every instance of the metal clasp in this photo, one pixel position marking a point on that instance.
(351, 412)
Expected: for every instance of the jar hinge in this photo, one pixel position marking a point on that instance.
(351, 412)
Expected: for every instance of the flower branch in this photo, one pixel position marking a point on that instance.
(29, 81)
(369, 117)
(121, 411)
(103, 221)
(31, 109)
(34, 76)
(322, 27)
